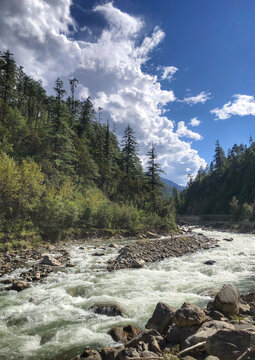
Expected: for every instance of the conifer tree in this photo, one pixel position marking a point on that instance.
(153, 171)
(219, 157)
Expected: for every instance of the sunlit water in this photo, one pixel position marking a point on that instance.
(51, 320)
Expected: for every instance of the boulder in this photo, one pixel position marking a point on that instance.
(107, 309)
(111, 353)
(125, 334)
(244, 309)
(227, 300)
(228, 239)
(70, 264)
(138, 263)
(230, 344)
(50, 260)
(207, 329)
(114, 246)
(177, 334)
(90, 355)
(150, 337)
(189, 315)
(19, 285)
(210, 262)
(210, 357)
(248, 298)
(161, 318)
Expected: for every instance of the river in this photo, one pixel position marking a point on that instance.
(51, 320)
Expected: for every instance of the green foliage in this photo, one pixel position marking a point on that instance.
(226, 188)
(63, 173)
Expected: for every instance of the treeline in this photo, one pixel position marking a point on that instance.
(227, 186)
(62, 170)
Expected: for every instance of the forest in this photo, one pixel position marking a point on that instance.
(63, 172)
(225, 187)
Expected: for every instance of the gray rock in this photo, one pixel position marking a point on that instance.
(207, 329)
(227, 300)
(138, 263)
(189, 315)
(210, 357)
(150, 337)
(111, 353)
(210, 262)
(50, 260)
(161, 318)
(107, 309)
(229, 344)
(125, 334)
(19, 285)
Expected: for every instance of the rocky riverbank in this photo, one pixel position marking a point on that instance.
(225, 330)
(137, 254)
(31, 265)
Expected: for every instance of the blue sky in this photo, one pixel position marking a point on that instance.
(153, 64)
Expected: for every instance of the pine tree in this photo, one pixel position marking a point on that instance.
(153, 171)
(130, 160)
(7, 78)
(219, 157)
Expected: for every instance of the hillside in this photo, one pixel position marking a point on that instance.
(63, 172)
(226, 187)
(170, 185)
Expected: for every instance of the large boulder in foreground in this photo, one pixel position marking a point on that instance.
(230, 344)
(227, 300)
(207, 329)
(161, 318)
(50, 260)
(107, 309)
(189, 315)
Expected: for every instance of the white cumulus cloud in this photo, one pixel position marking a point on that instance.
(183, 131)
(242, 105)
(194, 122)
(109, 69)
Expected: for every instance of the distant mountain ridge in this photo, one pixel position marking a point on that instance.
(171, 185)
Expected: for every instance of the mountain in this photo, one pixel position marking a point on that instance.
(170, 185)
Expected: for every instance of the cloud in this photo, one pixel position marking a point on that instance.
(183, 131)
(242, 105)
(168, 72)
(200, 98)
(109, 69)
(194, 122)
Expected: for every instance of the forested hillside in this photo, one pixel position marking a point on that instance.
(226, 187)
(62, 170)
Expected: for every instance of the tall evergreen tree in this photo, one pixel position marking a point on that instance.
(219, 157)
(153, 171)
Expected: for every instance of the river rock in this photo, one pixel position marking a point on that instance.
(50, 260)
(150, 337)
(111, 353)
(207, 329)
(177, 334)
(138, 263)
(229, 344)
(107, 309)
(210, 357)
(161, 318)
(210, 262)
(125, 334)
(189, 315)
(19, 285)
(227, 300)
(114, 246)
(90, 355)
(228, 239)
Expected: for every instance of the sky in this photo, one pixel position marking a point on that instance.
(179, 72)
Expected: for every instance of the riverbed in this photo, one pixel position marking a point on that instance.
(51, 319)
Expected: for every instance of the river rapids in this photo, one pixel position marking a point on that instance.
(51, 320)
